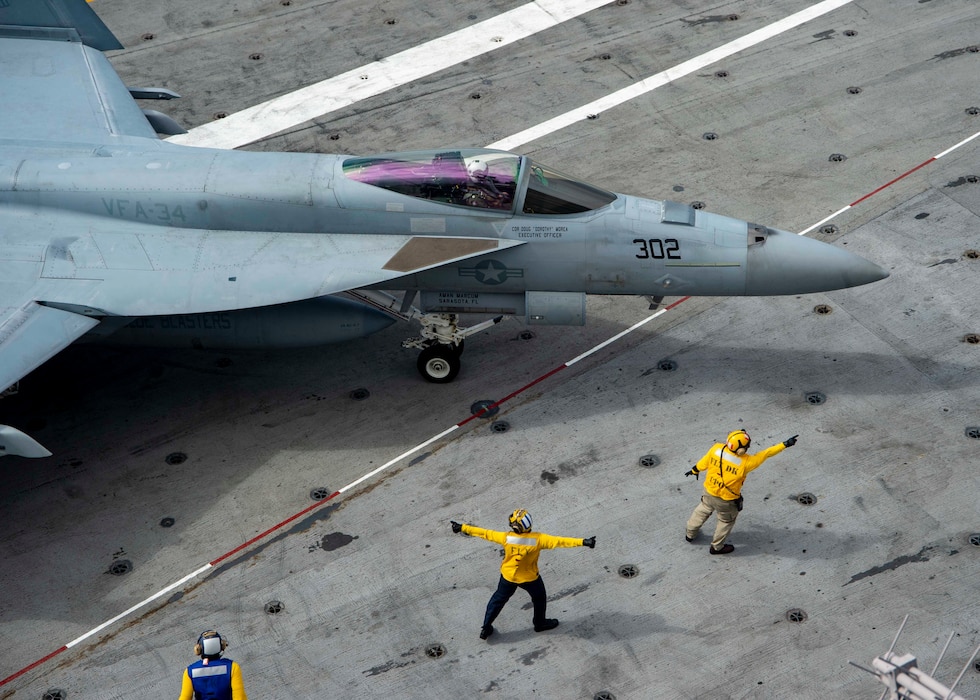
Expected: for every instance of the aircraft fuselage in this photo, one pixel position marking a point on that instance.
(628, 246)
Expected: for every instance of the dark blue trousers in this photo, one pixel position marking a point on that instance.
(505, 589)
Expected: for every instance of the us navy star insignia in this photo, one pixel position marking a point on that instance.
(491, 272)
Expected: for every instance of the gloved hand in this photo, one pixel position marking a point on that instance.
(589, 542)
(457, 527)
(697, 476)
(789, 442)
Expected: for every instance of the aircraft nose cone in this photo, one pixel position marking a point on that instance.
(790, 264)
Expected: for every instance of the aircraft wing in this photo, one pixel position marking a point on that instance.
(57, 87)
(62, 272)
(32, 334)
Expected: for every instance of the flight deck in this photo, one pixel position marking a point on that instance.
(299, 500)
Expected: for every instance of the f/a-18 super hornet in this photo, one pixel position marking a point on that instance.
(109, 233)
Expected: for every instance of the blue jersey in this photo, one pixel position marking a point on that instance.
(211, 679)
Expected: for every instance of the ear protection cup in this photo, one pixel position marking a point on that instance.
(520, 521)
(210, 643)
(738, 441)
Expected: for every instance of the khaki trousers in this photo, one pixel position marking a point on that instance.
(725, 514)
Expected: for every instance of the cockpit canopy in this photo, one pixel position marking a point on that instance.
(482, 178)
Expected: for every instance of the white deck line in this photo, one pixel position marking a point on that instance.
(372, 79)
(665, 77)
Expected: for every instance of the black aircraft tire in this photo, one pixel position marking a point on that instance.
(439, 364)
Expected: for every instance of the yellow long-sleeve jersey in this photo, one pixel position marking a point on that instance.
(725, 471)
(237, 686)
(521, 551)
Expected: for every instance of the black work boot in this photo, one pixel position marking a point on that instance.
(548, 624)
(486, 631)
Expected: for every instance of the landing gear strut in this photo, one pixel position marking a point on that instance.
(442, 344)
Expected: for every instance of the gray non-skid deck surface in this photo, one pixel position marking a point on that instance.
(373, 579)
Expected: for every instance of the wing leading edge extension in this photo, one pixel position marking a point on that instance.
(64, 288)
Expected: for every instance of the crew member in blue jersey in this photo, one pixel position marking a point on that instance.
(212, 678)
(520, 567)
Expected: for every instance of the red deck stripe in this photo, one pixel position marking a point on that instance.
(892, 182)
(272, 529)
(33, 665)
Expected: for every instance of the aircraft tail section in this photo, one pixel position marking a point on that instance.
(58, 14)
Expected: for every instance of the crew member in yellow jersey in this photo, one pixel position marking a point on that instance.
(520, 567)
(212, 678)
(725, 467)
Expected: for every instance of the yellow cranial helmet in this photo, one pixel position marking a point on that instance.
(738, 440)
(520, 521)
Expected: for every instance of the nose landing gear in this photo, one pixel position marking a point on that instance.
(441, 345)
(442, 339)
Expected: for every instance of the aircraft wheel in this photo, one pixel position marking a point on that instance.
(439, 364)
(458, 349)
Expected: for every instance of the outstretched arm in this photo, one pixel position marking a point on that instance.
(553, 542)
(758, 458)
(489, 535)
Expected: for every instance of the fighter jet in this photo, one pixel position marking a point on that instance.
(109, 233)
